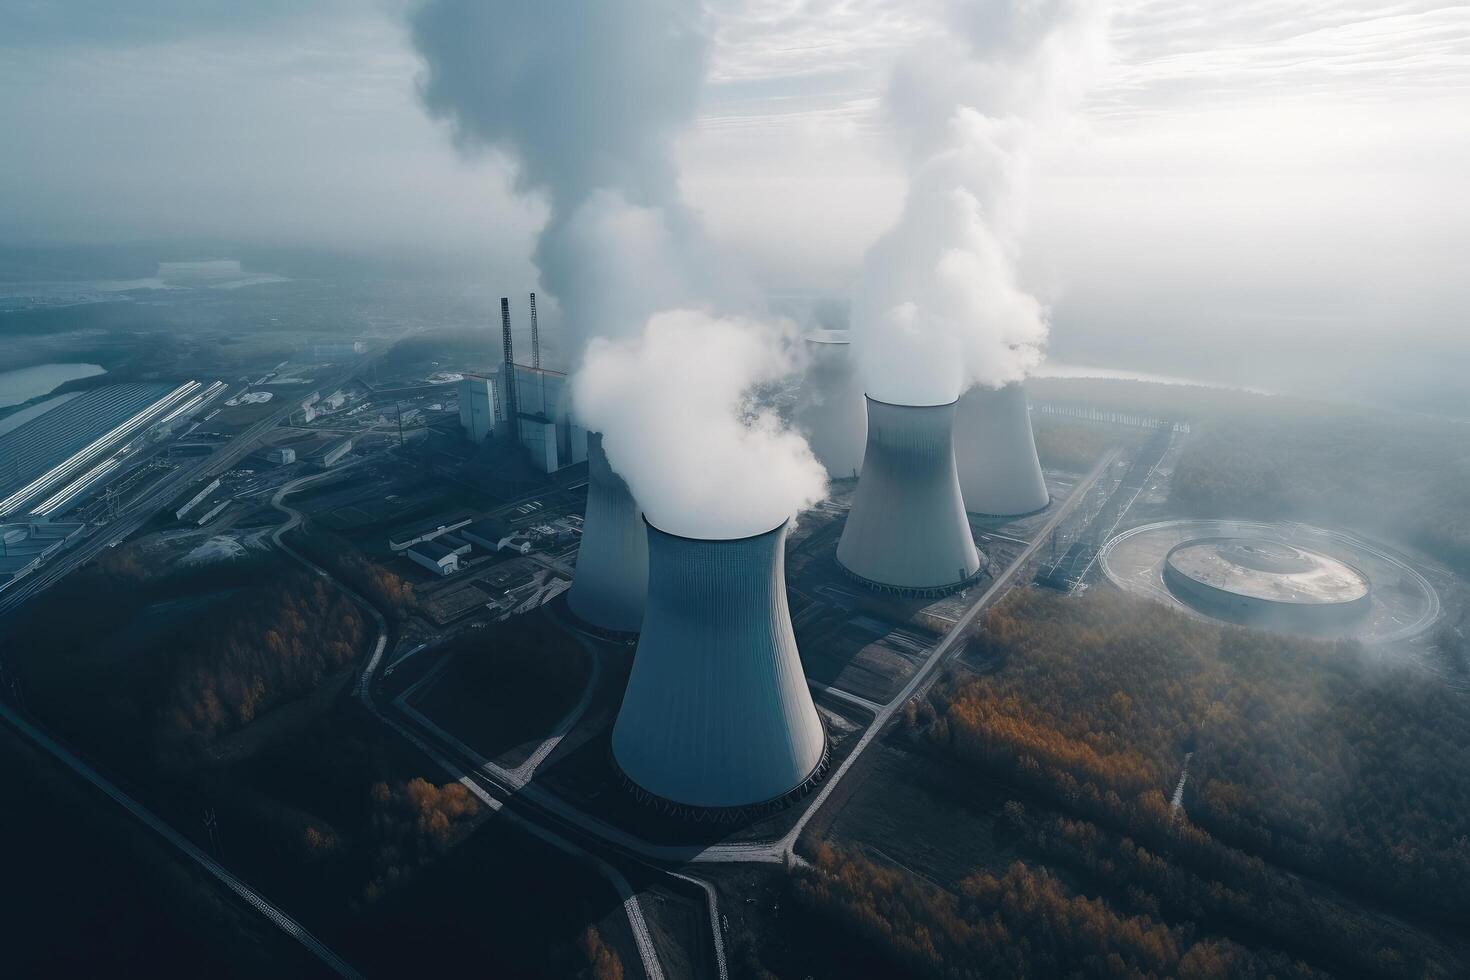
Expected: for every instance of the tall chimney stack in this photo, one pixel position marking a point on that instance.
(512, 410)
(535, 336)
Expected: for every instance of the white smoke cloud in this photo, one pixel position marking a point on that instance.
(940, 307)
(680, 424)
(588, 97)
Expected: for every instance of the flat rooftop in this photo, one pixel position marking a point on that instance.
(1271, 571)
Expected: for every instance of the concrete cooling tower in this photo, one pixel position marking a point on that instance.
(907, 531)
(612, 561)
(995, 452)
(830, 410)
(717, 722)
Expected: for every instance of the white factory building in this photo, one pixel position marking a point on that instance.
(437, 558)
(479, 407)
(543, 425)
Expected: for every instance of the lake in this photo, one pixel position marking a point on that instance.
(23, 384)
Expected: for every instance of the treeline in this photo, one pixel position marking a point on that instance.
(391, 595)
(275, 645)
(1020, 923)
(1274, 457)
(1404, 478)
(1071, 444)
(162, 663)
(1303, 752)
(413, 824)
(1186, 876)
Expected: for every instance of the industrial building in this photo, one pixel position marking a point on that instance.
(995, 453)
(527, 404)
(1289, 577)
(717, 722)
(197, 499)
(281, 455)
(479, 407)
(907, 531)
(24, 547)
(830, 409)
(405, 538)
(434, 556)
(544, 425)
(44, 455)
(612, 561)
(331, 454)
(494, 535)
(1267, 583)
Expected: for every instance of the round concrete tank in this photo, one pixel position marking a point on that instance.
(830, 409)
(1266, 583)
(907, 530)
(717, 721)
(612, 560)
(995, 453)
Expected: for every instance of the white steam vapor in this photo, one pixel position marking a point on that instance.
(677, 416)
(939, 308)
(588, 97)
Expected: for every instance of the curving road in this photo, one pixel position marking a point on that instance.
(155, 823)
(641, 936)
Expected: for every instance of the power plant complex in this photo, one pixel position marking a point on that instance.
(995, 453)
(527, 404)
(907, 531)
(612, 560)
(717, 722)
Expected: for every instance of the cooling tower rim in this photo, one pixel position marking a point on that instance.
(688, 537)
(829, 336)
(879, 401)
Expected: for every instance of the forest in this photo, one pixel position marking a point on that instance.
(167, 661)
(389, 593)
(1309, 754)
(1271, 457)
(1070, 444)
(1022, 922)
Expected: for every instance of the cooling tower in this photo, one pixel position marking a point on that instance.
(907, 531)
(612, 561)
(717, 722)
(995, 452)
(830, 410)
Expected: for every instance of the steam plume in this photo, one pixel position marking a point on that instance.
(939, 308)
(587, 97)
(677, 413)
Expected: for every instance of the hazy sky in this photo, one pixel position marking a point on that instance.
(1270, 191)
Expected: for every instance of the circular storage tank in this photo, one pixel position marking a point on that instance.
(1265, 582)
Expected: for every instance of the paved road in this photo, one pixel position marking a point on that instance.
(641, 936)
(545, 805)
(155, 823)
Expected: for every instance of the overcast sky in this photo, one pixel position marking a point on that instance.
(1268, 192)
